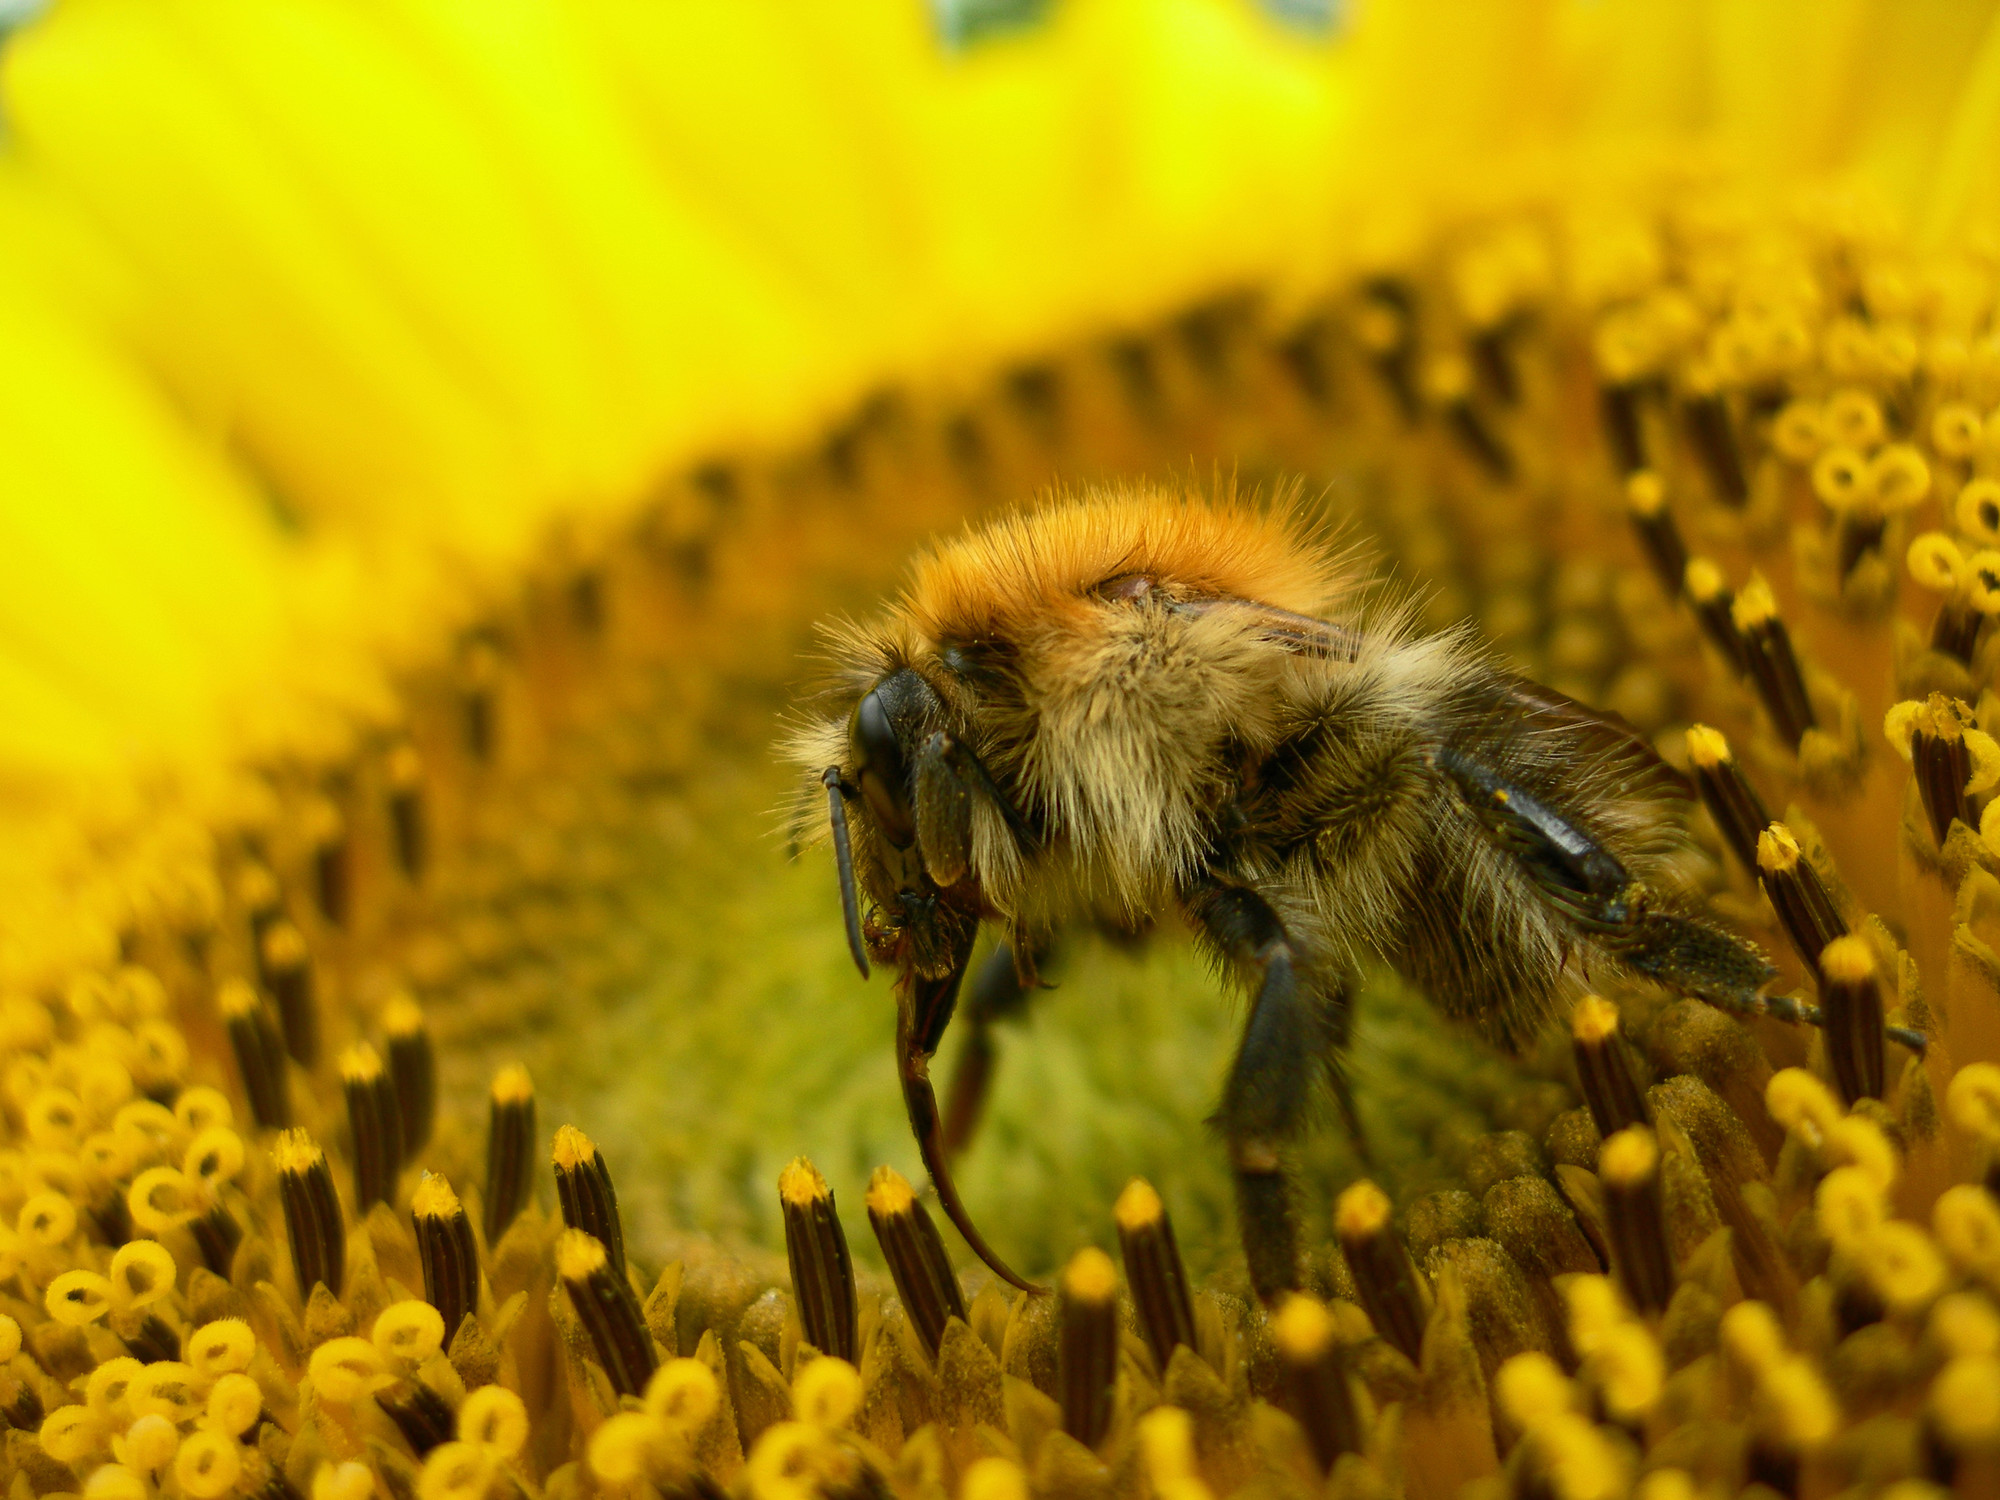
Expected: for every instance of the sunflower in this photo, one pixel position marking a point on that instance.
(428, 432)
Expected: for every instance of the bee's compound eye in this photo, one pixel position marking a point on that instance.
(879, 769)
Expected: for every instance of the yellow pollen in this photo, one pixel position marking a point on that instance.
(1777, 850)
(1138, 1206)
(401, 1017)
(1090, 1276)
(434, 1199)
(295, 1153)
(1361, 1211)
(1847, 960)
(572, 1149)
(1705, 583)
(801, 1184)
(1628, 1157)
(889, 1193)
(1303, 1329)
(1707, 747)
(578, 1255)
(511, 1085)
(1594, 1021)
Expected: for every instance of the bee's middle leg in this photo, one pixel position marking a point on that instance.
(1000, 991)
(1268, 1098)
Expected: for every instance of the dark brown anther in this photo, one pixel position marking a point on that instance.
(445, 1246)
(1604, 1067)
(1851, 1005)
(1960, 1429)
(1154, 1271)
(1659, 537)
(288, 975)
(1629, 1165)
(510, 1150)
(1711, 600)
(609, 1312)
(277, 1487)
(420, 1414)
(1857, 533)
(1037, 393)
(586, 602)
(260, 1054)
(1087, 1352)
(216, 1234)
(262, 902)
(376, 1123)
(407, 828)
(1392, 1291)
(479, 701)
(1731, 801)
(313, 1220)
(1711, 433)
(1385, 326)
(155, 1341)
(1941, 755)
(1804, 906)
(1207, 332)
(1492, 355)
(583, 1185)
(1618, 408)
(915, 1254)
(24, 1411)
(1774, 670)
(1303, 357)
(718, 485)
(332, 886)
(413, 1072)
(822, 1270)
(1134, 362)
(965, 444)
(1449, 382)
(113, 1218)
(1314, 1378)
(1479, 440)
(1956, 630)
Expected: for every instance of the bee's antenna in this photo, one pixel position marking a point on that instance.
(843, 858)
(920, 1099)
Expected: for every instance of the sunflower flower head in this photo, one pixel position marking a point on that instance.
(427, 433)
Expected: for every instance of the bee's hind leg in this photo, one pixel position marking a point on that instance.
(1587, 883)
(1701, 961)
(1268, 1098)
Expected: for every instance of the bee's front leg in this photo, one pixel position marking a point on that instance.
(923, 1009)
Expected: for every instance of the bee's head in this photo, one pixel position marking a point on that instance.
(885, 735)
(913, 788)
(895, 736)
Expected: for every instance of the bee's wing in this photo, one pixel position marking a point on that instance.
(1302, 634)
(1606, 737)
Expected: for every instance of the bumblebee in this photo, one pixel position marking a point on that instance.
(1138, 703)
